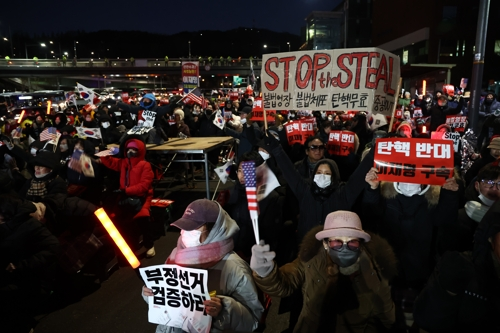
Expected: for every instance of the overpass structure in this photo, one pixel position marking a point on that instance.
(120, 72)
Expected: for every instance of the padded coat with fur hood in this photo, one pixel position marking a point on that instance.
(408, 224)
(357, 299)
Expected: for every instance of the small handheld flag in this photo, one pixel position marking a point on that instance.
(250, 176)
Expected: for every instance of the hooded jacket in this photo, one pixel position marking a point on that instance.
(314, 203)
(228, 274)
(136, 175)
(331, 299)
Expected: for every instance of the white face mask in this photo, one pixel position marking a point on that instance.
(41, 175)
(265, 156)
(322, 181)
(191, 238)
(485, 200)
(243, 121)
(33, 151)
(408, 189)
(330, 118)
(105, 125)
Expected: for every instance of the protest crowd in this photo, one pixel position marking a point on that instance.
(344, 247)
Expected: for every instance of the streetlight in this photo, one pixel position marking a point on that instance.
(189, 45)
(272, 47)
(74, 46)
(5, 39)
(26, 48)
(288, 43)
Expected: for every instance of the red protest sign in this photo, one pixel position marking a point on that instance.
(259, 115)
(417, 161)
(456, 122)
(233, 95)
(258, 111)
(341, 143)
(298, 131)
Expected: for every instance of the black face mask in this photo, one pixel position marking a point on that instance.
(132, 154)
(147, 103)
(208, 112)
(488, 101)
(344, 257)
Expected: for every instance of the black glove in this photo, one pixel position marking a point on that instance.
(271, 141)
(455, 272)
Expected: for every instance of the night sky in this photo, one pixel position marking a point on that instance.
(166, 17)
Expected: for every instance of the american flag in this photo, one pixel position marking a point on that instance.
(50, 133)
(193, 96)
(204, 103)
(250, 176)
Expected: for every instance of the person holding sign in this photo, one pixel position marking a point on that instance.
(323, 193)
(206, 242)
(343, 272)
(439, 111)
(152, 114)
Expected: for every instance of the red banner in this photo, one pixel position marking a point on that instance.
(233, 95)
(258, 111)
(125, 97)
(341, 143)
(417, 161)
(456, 122)
(299, 130)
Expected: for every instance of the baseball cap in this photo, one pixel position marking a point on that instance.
(198, 213)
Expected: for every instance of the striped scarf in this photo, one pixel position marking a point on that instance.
(39, 187)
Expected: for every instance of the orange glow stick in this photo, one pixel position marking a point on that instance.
(21, 116)
(117, 238)
(424, 87)
(49, 106)
(424, 129)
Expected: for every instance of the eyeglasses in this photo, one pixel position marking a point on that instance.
(490, 184)
(338, 244)
(316, 147)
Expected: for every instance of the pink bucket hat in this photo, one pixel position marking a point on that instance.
(342, 224)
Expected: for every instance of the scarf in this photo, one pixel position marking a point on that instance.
(39, 187)
(203, 256)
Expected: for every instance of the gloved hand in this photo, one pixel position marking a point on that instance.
(262, 259)
(475, 210)
(455, 272)
(271, 141)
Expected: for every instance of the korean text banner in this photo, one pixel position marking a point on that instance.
(178, 295)
(298, 131)
(341, 143)
(363, 79)
(190, 75)
(417, 161)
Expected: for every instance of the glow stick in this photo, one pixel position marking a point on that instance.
(117, 238)
(21, 116)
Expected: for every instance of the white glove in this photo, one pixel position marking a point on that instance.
(262, 259)
(475, 210)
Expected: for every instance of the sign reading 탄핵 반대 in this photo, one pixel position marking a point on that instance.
(362, 79)
(417, 161)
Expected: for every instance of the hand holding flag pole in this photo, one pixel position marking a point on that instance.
(251, 189)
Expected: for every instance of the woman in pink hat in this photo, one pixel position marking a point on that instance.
(344, 274)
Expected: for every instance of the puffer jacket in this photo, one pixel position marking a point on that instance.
(136, 175)
(356, 299)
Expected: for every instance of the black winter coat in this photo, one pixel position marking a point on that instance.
(27, 244)
(313, 211)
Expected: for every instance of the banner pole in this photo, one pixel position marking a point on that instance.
(265, 119)
(400, 83)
